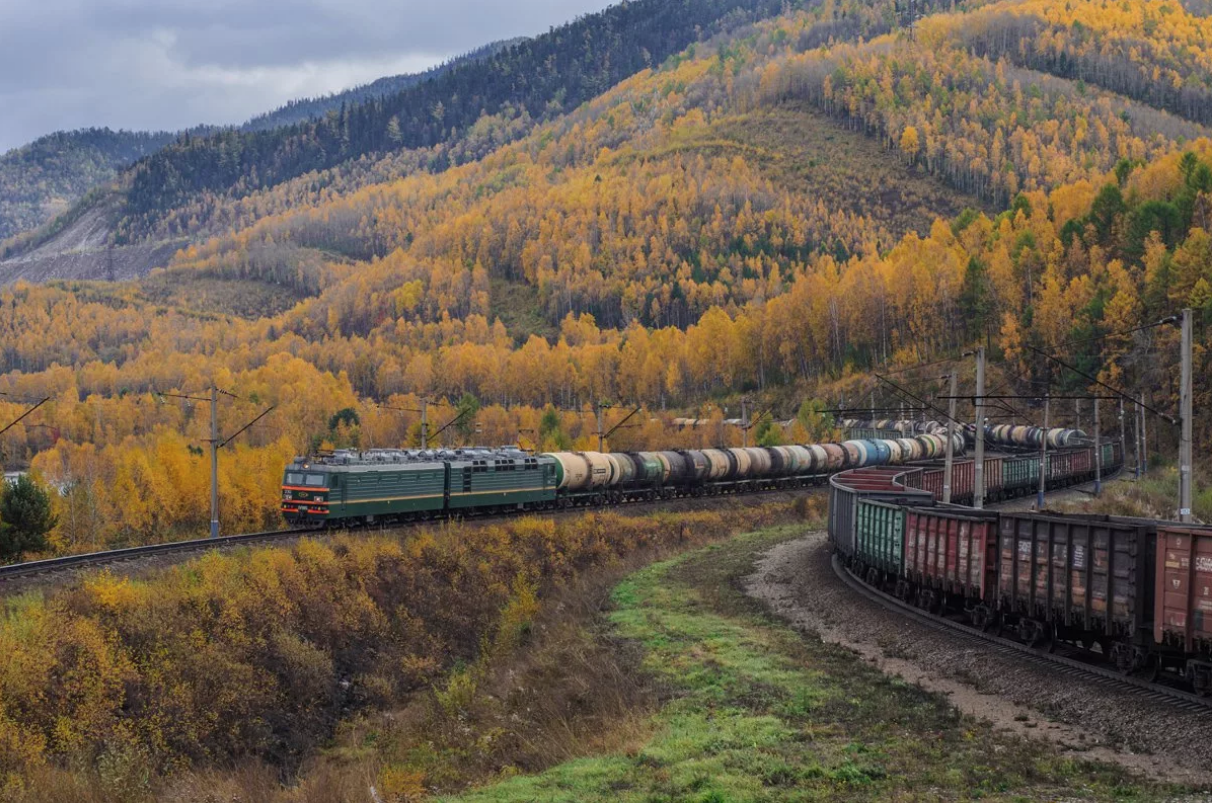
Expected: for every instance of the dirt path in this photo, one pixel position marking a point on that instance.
(796, 581)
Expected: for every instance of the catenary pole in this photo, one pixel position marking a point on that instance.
(1098, 452)
(1144, 438)
(950, 445)
(978, 468)
(214, 461)
(424, 423)
(1137, 430)
(1184, 450)
(601, 407)
(1123, 436)
(1043, 460)
(744, 423)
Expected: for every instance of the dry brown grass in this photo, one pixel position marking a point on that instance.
(549, 682)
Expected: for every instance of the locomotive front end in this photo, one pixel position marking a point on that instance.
(305, 495)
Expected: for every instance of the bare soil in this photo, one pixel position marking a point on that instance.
(80, 252)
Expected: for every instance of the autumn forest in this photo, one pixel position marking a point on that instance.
(797, 196)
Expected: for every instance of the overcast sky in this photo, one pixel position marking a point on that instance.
(170, 64)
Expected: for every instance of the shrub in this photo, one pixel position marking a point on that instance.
(260, 654)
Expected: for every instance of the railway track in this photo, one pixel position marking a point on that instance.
(1152, 692)
(1107, 677)
(183, 549)
(112, 556)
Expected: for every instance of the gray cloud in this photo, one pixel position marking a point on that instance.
(170, 64)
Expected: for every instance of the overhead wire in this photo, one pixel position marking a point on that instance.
(1163, 322)
(1102, 384)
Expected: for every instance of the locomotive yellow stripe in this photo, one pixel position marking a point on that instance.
(388, 499)
(501, 491)
(305, 503)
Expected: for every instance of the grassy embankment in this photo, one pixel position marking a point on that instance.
(1154, 496)
(395, 675)
(755, 712)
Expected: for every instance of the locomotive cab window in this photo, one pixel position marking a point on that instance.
(315, 480)
(294, 479)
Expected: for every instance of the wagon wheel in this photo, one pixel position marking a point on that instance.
(1052, 639)
(1122, 657)
(1153, 671)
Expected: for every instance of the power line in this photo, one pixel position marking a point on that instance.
(1163, 322)
(1040, 397)
(24, 415)
(1118, 393)
(939, 361)
(241, 430)
(921, 401)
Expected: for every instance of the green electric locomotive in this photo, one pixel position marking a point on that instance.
(390, 485)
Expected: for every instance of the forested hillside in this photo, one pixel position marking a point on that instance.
(783, 206)
(42, 179)
(535, 79)
(298, 111)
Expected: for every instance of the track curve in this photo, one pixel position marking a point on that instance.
(1139, 687)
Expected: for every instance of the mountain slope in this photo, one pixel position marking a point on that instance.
(42, 179)
(709, 182)
(753, 216)
(538, 78)
(304, 109)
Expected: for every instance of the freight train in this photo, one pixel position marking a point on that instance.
(999, 435)
(344, 488)
(1138, 591)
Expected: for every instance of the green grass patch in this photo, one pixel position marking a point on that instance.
(756, 712)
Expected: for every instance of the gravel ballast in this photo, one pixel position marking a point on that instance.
(797, 582)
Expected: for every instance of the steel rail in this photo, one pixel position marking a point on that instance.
(1139, 687)
(132, 553)
(108, 557)
(183, 548)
